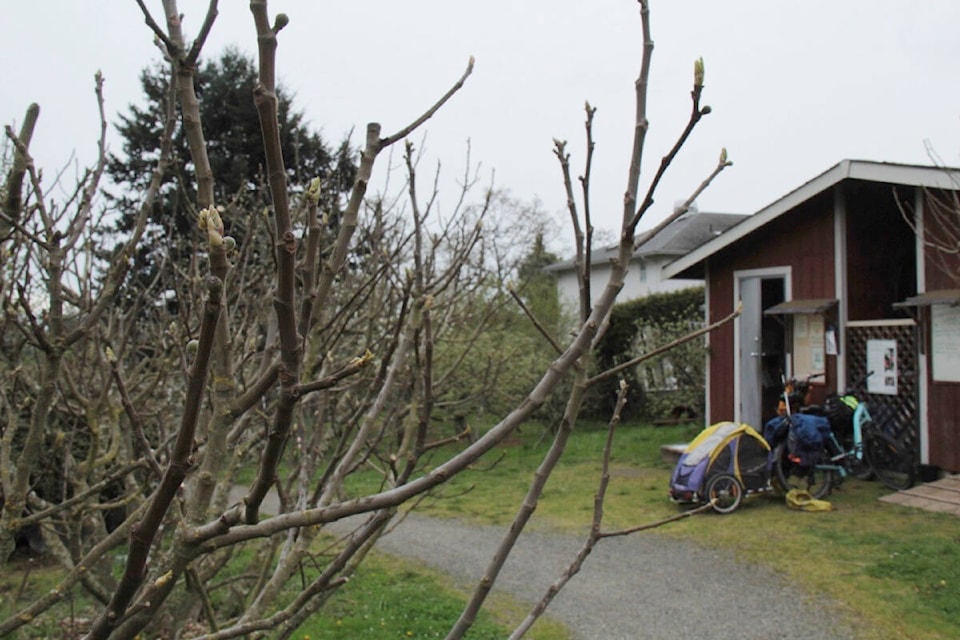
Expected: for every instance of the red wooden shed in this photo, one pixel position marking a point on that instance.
(841, 275)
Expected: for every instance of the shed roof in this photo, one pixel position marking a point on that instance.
(691, 265)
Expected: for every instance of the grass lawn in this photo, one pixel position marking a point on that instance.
(390, 598)
(894, 570)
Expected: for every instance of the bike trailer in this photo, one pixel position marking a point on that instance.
(734, 451)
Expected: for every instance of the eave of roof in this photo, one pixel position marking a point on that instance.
(800, 307)
(870, 171)
(930, 298)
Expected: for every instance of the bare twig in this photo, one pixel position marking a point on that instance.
(696, 114)
(194, 54)
(536, 322)
(13, 202)
(158, 33)
(136, 421)
(429, 113)
(722, 164)
(291, 345)
(580, 262)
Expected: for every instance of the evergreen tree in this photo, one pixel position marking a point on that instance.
(231, 129)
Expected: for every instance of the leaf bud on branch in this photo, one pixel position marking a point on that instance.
(209, 220)
(362, 360)
(163, 580)
(698, 72)
(313, 190)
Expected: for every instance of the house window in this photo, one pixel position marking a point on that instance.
(643, 271)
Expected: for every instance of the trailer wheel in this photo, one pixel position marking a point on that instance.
(725, 491)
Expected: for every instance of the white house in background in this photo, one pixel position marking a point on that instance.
(645, 275)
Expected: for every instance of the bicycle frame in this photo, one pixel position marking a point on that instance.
(861, 416)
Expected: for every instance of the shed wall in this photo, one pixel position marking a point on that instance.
(803, 239)
(943, 405)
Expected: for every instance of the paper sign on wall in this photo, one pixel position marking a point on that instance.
(945, 342)
(830, 341)
(882, 361)
(808, 344)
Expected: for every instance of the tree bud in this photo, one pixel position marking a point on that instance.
(313, 190)
(209, 220)
(698, 72)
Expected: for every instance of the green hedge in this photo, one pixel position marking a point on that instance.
(638, 326)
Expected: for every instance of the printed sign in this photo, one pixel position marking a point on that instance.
(945, 342)
(882, 361)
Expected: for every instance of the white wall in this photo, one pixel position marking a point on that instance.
(634, 285)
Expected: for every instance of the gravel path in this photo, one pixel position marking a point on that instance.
(639, 587)
(630, 588)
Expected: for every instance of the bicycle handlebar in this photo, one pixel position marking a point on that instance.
(851, 390)
(801, 382)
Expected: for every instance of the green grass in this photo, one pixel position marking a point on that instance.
(493, 489)
(390, 598)
(387, 599)
(893, 571)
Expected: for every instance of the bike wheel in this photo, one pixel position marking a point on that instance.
(725, 491)
(891, 462)
(859, 469)
(791, 475)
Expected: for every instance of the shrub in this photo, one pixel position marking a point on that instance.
(663, 386)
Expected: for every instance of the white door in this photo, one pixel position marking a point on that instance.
(760, 344)
(751, 352)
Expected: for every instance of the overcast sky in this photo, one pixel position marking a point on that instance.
(795, 86)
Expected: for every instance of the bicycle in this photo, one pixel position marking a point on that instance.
(870, 451)
(795, 465)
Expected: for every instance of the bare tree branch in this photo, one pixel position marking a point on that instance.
(429, 113)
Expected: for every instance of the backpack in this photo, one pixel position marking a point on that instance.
(808, 435)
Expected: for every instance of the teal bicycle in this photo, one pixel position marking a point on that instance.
(863, 448)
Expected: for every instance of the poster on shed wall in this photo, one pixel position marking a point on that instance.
(882, 361)
(945, 342)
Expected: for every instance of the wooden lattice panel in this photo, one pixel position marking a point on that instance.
(897, 414)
